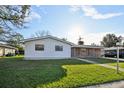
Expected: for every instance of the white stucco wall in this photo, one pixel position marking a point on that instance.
(7, 50)
(49, 50)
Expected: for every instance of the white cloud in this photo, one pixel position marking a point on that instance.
(74, 8)
(93, 13)
(88, 37)
(32, 16)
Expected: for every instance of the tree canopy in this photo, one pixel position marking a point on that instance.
(11, 38)
(12, 16)
(110, 40)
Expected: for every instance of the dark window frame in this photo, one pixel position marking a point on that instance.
(58, 48)
(39, 47)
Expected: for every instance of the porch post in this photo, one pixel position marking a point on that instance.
(74, 52)
(3, 51)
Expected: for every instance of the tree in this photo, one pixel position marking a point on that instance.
(12, 16)
(80, 41)
(93, 44)
(110, 40)
(14, 39)
(41, 33)
(11, 38)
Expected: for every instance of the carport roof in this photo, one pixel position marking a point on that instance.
(87, 46)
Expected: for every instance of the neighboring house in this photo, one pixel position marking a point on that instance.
(5, 49)
(49, 47)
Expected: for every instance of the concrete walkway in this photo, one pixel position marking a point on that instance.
(116, 84)
(104, 65)
(120, 59)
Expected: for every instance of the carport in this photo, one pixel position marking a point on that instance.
(84, 51)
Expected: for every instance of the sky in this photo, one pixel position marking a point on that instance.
(71, 22)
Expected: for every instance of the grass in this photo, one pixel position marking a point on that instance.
(120, 64)
(16, 72)
(102, 60)
(107, 61)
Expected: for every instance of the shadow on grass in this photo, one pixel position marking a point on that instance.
(16, 72)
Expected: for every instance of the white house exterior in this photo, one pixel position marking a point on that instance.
(49, 50)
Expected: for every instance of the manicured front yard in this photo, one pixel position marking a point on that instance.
(16, 72)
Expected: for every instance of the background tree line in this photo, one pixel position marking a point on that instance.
(110, 40)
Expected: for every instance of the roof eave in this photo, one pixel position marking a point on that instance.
(45, 37)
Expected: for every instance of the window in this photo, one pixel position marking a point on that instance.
(58, 48)
(39, 47)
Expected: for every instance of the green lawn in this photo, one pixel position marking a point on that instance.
(107, 61)
(16, 72)
(120, 64)
(102, 60)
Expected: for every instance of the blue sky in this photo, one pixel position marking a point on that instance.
(89, 22)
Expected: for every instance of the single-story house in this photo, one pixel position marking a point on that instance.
(50, 47)
(5, 49)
